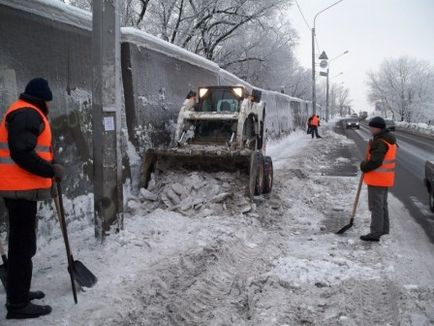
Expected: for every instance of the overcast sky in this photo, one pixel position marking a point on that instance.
(371, 30)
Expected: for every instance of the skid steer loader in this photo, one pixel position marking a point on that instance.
(222, 130)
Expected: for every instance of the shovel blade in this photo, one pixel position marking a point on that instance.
(3, 275)
(83, 275)
(345, 228)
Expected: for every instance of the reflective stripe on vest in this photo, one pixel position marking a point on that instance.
(384, 175)
(12, 176)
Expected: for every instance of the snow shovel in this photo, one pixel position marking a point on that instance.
(356, 202)
(76, 269)
(3, 267)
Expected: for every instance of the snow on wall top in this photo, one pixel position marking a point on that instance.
(226, 74)
(59, 11)
(54, 10)
(140, 38)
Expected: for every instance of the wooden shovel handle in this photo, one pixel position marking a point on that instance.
(58, 201)
(356, 200)
(359, 187)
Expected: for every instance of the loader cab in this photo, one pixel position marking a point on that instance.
(220, 99)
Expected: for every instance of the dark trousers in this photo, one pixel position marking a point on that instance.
(22, 247)
(377, 200)
(314, 129)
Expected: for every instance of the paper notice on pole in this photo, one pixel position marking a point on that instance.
(109, 124)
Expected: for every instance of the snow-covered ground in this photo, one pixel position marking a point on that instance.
(195, 251)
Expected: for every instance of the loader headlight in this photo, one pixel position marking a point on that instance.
(238, 91)
(202, 92)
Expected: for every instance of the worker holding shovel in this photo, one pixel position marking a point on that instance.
(26, 174)
(379, 174)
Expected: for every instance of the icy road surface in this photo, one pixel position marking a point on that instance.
(195, 252)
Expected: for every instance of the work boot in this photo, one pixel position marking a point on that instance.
(36, 295)
(370, 237)
(30, 310)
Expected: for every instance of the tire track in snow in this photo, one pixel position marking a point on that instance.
(219, 295)
(375, 302)
(202, 287)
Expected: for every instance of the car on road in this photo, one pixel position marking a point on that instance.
(351, 123)
(390, 124)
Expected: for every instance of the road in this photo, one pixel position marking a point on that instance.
(413, 151)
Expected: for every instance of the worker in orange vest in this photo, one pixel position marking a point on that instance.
(379, 175)
(26, 174)
(313, 124)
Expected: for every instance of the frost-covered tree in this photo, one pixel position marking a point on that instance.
(83, 4)
(247, 37)
(404, 86)
(252, 39)
(339, 100)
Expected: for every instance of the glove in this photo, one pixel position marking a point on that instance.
(59, 171)
(362, 165)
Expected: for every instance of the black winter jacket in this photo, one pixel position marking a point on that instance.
(378, 151)
(24, 127)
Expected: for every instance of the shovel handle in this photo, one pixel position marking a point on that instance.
(359, 187)
(61, 214)
(356, 200)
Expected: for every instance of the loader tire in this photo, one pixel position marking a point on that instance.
(268, 175)
(259, 186)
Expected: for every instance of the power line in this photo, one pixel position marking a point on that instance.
(301, 12)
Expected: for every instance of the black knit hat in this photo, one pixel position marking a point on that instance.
(377, 122)
(38, 87)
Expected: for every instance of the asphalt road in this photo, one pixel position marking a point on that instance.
(409, 188)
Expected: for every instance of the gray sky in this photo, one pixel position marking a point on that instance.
(371, 30)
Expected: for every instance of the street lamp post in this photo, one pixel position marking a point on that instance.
(313, 57)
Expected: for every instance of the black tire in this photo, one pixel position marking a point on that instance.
(268, 175)
(431, 201)
(259, 186)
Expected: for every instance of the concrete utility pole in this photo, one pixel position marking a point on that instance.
(313, 56)
(327, 95)
(313, 71)
(106, 113)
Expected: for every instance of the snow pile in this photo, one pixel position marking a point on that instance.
(194, 193)
(422, 128)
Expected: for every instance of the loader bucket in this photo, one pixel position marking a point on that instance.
(201, 158)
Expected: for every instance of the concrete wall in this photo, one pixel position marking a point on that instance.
(33, 46)
(155, 85)
(48, 39)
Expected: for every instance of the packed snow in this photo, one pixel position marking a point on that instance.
(195, 251)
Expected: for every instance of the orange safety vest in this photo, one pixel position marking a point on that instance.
(384, 175)
(12, 176)
(314, 121)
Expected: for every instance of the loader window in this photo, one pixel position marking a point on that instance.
(213, 132)
(219, 100)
